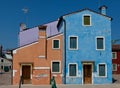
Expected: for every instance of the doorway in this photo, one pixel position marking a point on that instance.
(87, 73)
(26, 74)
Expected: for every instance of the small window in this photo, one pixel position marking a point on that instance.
(86, 20)
(73, 43)
(114, 67)
(55, 67)
(1, 60)
(56, 44)
(102, 70)
(72, 70)
(114, 55)
(100, 43)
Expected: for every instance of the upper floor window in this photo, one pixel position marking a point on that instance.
(102, 70)
(55, 67)
(73, 43)
(100, 43)
(114, 67)
(73, 69)
(87, 20)
(56, 44)
(114, 55)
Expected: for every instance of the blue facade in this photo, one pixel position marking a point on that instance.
(85, 63)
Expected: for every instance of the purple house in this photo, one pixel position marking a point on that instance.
(27, 36)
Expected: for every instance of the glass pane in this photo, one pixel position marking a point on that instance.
(56, 44)
(72, 70)
(114, 67)
(73, 42)
(113, 55)
(55, 67)
(86, 20)
(102, 70)
(99, 43)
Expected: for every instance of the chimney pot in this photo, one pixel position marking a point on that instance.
(103, 9)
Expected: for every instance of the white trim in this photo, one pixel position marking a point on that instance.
(69, 42)
(115, 55)
(115, 67)
(42, 37)
(83, 19)
(76, 70)
(83, 72)
(26, 46)
(54, 36)
(41, 56)
(105, 69)
(41, 68)
(14, 51)
(53, 44)
(103, 42)
(59, 66)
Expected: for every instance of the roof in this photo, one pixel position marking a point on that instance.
(88, 10)
(116, 47)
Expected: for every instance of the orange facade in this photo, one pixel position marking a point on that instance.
(39, 61)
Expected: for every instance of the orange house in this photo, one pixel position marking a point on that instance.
(39, 61)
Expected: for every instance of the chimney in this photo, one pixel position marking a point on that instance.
(22, 27)
(42, 42)
(103, 9)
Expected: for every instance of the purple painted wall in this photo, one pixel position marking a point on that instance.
(31, 35)
(28, 36)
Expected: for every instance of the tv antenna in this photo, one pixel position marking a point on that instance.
(25, 11)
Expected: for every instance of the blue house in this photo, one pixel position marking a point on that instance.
(87, 47)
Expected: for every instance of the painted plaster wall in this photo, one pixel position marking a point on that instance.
(100, 26)
(31, 35)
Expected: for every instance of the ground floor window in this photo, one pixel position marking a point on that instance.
(102, 70)
(114, 67)
(72, 69)
(55, 67)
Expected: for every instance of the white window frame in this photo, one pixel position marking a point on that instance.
(76, 69)
(59, 66)
(69, 43)
(105, 69)
(115, 66)
(83, 19)
(115, 55)
(103, 42)
(53, 44)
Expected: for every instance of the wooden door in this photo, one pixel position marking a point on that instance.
(26, 72)
(87, 76)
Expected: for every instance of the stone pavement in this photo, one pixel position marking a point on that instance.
(65, 86)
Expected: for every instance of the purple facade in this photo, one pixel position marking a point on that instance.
(31, 35)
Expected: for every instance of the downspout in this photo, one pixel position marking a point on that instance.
(64, 50)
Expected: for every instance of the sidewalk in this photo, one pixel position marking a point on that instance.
(65, 86)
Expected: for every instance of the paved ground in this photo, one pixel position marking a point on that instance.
(66, 86)
(5, 78)
(5, 82)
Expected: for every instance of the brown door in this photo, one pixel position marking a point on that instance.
(87, 70)
(26, 72)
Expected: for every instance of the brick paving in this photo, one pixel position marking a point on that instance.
(5, 82)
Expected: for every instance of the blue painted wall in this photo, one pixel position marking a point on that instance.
(100, 26)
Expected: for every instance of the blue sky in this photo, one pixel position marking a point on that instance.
(44, 11)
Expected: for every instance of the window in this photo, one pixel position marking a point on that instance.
(86, 20)
(73, 43)
(55, 67)
(56, 44)
(72, 70)
(114, 55)
(114, 67)
(100, 43)
(102, 70)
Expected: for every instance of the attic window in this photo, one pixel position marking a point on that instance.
(86, 20)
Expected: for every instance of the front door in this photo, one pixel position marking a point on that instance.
(87, 74)
(26, 72)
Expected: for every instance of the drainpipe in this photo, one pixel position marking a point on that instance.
(64, 50)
